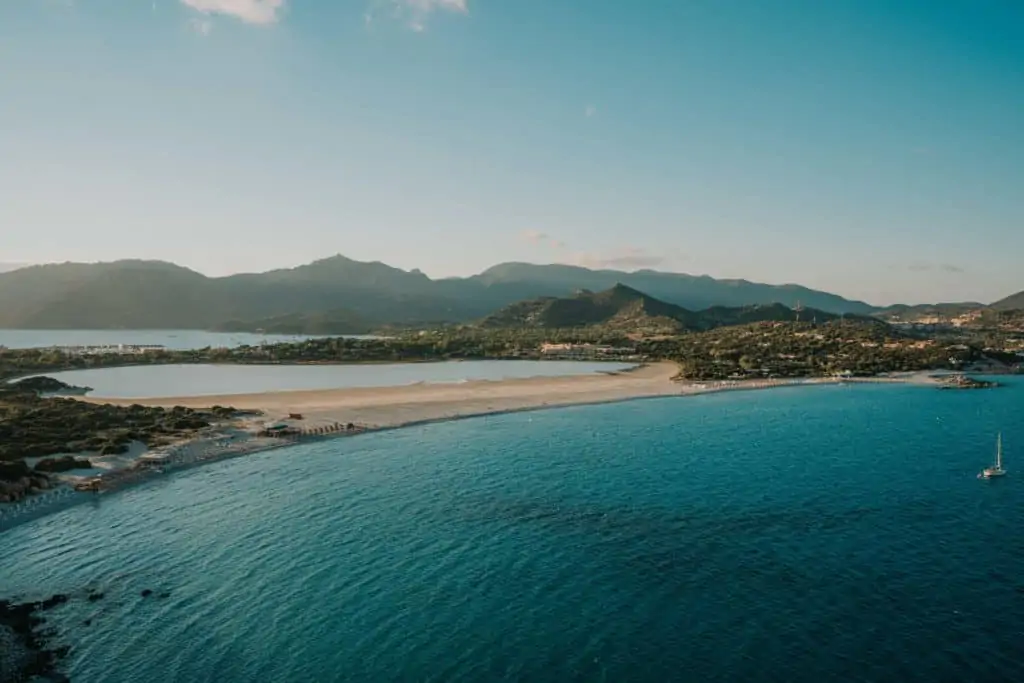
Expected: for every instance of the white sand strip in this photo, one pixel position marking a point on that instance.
(381, 407)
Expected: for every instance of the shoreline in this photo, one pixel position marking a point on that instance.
(391, 408)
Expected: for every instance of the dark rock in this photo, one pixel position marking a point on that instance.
(58, 599)
(146, 593)
(48, 385)
(62, 464)
(13, 471)
(24, 623)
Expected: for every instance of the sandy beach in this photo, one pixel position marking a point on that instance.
(385, 407)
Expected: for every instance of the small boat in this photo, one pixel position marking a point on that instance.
(997, 469)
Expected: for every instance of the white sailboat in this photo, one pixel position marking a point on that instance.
(997, 469)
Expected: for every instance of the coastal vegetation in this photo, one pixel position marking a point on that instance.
(33, 426)
(802, 349)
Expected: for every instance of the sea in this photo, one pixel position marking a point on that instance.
(154, 381)
(806, 534)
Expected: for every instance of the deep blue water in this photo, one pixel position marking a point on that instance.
(798, 535)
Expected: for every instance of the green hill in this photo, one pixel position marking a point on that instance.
(723, 316)
(618, 307)
(626, 309)
(1014, 302)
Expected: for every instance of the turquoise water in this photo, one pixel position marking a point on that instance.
(799, 535)
(172, 339)
(145, 381)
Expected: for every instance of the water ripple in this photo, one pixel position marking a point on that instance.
(821, 535)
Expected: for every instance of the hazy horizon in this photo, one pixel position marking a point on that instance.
(856, 146)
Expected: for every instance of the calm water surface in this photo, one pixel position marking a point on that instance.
(210, 380)
(799, 535)
(171, 339)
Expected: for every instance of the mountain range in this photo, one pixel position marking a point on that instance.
(341, 293)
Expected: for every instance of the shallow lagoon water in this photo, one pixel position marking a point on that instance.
(145, 381)
(802, 535)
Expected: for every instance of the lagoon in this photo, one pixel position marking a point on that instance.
(157, 381)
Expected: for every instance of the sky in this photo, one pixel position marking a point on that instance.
(870, 148)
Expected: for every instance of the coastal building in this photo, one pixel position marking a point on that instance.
(568, 350)
(107, 349)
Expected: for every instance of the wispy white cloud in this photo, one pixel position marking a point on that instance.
(590, 111)
(534, 236)
(413, 13)
(260, 12)
(923, 267)
(621, 258)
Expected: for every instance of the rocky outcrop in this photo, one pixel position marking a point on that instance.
(25, 652)
(965, 382)
(68, 462)
(49, 385)
(18, 480)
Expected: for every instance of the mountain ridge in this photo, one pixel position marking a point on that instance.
(137, 293)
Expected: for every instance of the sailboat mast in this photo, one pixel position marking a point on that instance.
(999, 450)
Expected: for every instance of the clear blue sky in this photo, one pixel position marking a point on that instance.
(874, 148)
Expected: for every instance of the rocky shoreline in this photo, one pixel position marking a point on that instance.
(959, 381)
(34, 425)
(26, 650)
